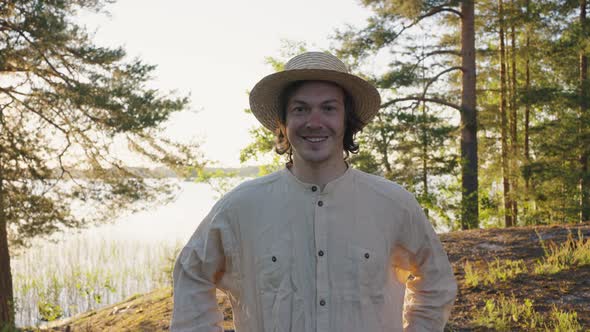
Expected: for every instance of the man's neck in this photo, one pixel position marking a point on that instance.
(319, 174)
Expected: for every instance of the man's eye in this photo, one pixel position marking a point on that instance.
(298, 109)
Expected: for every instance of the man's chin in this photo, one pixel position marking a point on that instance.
(314, 158)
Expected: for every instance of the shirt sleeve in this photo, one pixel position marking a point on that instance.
(431, 289)
(197, 273)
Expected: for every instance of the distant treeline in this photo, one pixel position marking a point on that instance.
(164, 172)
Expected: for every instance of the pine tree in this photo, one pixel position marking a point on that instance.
(386, 30)
(584, 120)
(64, 103)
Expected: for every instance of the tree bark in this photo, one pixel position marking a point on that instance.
(425, 157)
(6, 295)
(513, 125)
(385, 155)
(584, 180)
(469, 176)
(508, 221)
(527, 114)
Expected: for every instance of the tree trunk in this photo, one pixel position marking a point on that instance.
(6, 295)
(425, 157)
(385, 155)
(527, 114)
(470, 201)
(504, 125)
(513, 126)
(584, 180)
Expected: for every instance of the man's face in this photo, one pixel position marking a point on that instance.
(315, 123)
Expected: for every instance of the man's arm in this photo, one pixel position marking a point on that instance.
(432, 290)
(198, 269)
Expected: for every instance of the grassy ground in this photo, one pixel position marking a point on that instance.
(149, 312)
(568, 290)
(526, 300)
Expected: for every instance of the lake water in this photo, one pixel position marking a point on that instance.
(105, 264)
(169, 223)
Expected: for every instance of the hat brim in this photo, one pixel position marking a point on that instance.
(265, 96)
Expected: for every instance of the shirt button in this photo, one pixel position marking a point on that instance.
(314, 188)
(320, 203)
(274, 259)
(321, 253)
(322, 303)
(367, 255)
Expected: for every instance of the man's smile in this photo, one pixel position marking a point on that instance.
(315, 139)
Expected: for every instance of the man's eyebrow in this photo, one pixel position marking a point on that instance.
(332, 101)
(297, 101)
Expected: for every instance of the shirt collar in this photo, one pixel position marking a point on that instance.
(344, 179)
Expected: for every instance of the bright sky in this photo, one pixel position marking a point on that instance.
(215, 51)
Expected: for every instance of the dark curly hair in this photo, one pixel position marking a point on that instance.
(352, 123)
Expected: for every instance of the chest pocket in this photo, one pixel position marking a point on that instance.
(273, 267)
(368, 270)
(281, 307)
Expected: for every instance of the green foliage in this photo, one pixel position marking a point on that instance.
(47, 305)
(472, 278)
(263, 143)
(220, 181)
(400, 76)
(365, 161)
(507, 314)
(498, 270)
(49, 312)
(504, 314)
(270, 168)
(570, 254)
(563, 321)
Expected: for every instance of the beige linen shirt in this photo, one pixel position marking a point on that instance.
(294, 258)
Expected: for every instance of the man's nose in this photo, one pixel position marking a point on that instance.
(315, 119)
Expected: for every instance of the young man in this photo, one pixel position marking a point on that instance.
(316, 246)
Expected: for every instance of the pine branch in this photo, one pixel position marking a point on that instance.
(437, 76)
(423, 99)
(41, 115)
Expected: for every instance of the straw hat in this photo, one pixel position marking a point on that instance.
(315, 66)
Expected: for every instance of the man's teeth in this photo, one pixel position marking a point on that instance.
(315, 139)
